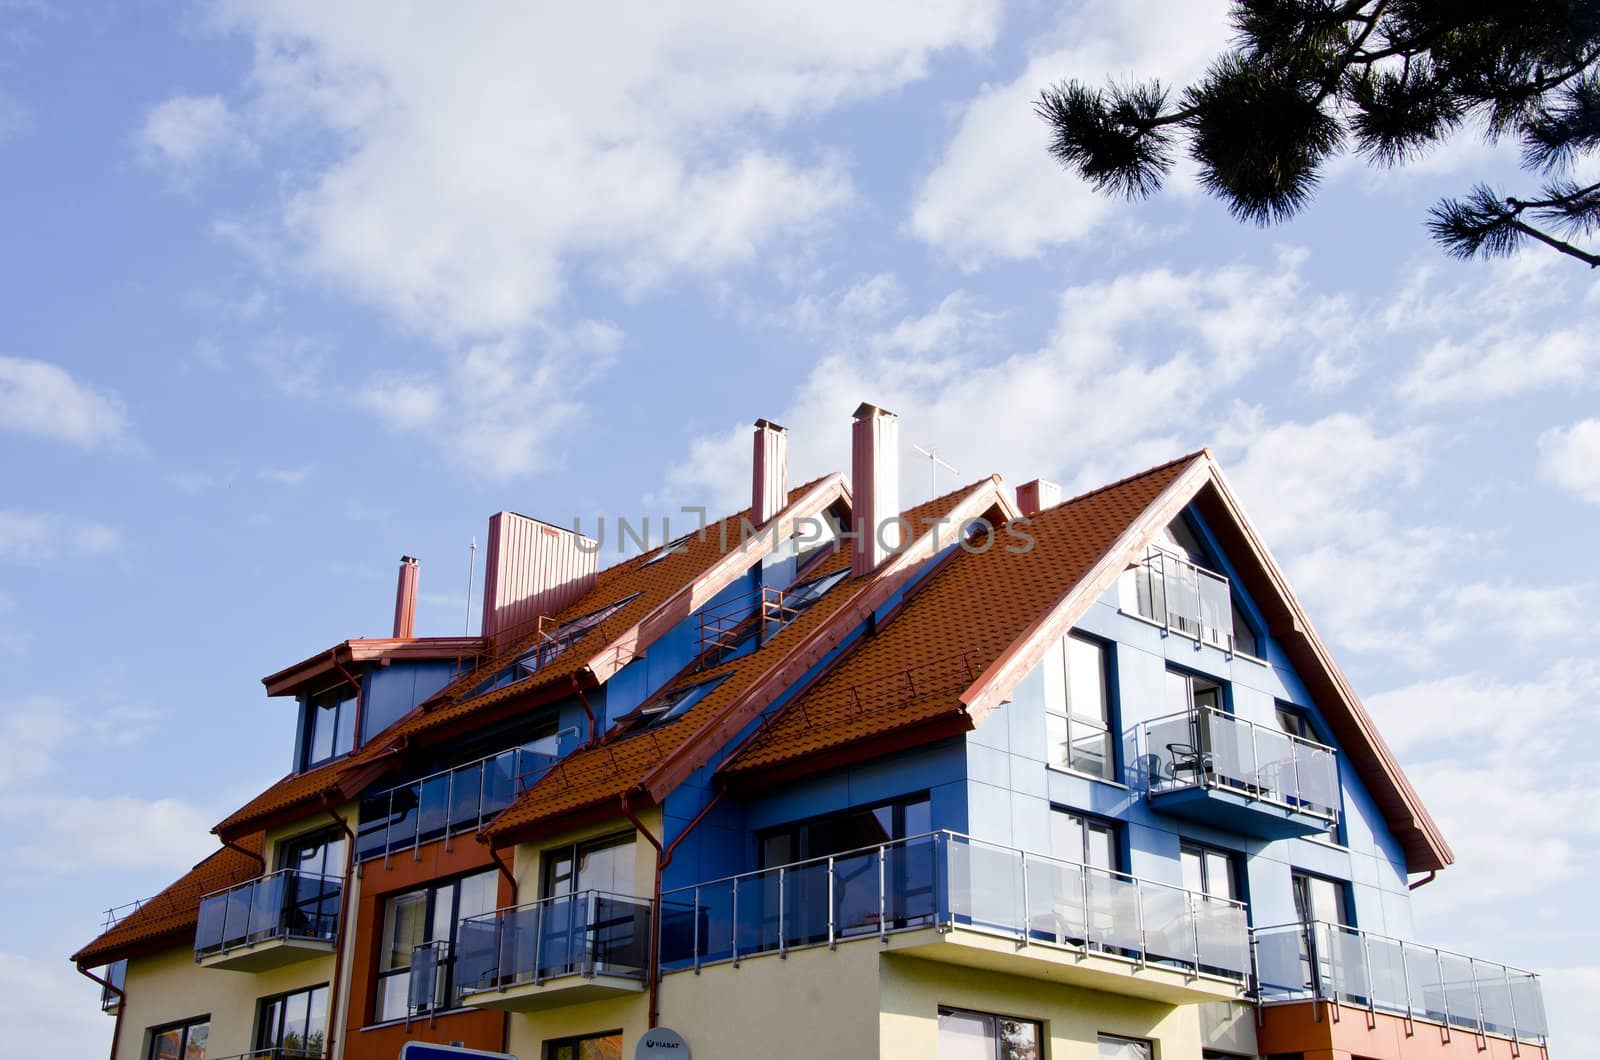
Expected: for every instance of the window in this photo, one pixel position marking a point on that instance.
(1085, 840)
(549, 644)
(838, 833)
(598, 865)
(181, 1041)
(320, 853)
(295, 1024)
(676, 703)
(981, 1036)
(1210, 872)
(595, 1047)
(1115, 1047)
(1318, 899)
(1186, 692)
(328, 725)
(419, 927)
(1078, 707)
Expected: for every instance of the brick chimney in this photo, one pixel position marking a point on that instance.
(405, 599)
(875, 487)
(1034, 497)
(770, 472)
(531, 569)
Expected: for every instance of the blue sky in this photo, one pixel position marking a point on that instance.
(291, 289)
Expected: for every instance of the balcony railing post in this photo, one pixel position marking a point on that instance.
(833, 939)
(449, 801)
(1511, 999)
(500, 976)
(883, 928)
(1027, 909)
(1405, 980)
(1444, 990)
(1477, 995)
(591, 903)
(1333, 967)
(388, 823)
(1366, 959)
(538, 941)
(1294, 760)
(733, 926)
(1194, 903)
(1138, 908)
(1255, 765)
(1199, 609)
(783, 944)
(1088, 915)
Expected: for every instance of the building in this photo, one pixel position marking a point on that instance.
(998, 776)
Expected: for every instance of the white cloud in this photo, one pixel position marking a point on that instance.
(482, 158)
(1569, 995)
(1570, 458)
(185, 131)
(36, 537)
(43, 399)
(30, 733)
(50, 1010)
(996, 192)
(72, 833)
(283, 476)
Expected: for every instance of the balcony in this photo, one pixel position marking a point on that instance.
(278, 1052)
(1217, 769)
(1186, 599)
(1388, 978)
(268, 922)
(950, 898)
(449, 802)
(558, 951)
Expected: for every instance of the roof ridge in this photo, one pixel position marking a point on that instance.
(1137, 475)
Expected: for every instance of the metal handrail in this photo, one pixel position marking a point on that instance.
(506, 969)
(1377, 936)
(1192, 711)
(1204, 774)
(1156, 561)
(321, 909)
(251, 883)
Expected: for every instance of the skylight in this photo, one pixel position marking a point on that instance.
(551, 645)
(677, 703)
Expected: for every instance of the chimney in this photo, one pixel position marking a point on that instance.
(531, 570)
(770, 472)
(1034, 497)
(405, 600)
(875, 487)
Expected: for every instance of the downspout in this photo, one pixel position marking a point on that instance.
(1429, 878)
(122, 1006)
(505, 870)
(663, 859)
(339, 935)
(261, 862)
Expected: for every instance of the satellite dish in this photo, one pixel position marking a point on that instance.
(661, 1043)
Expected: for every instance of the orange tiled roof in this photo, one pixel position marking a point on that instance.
(650, 584)
(605, 772)
(171, 915)
(959, 622)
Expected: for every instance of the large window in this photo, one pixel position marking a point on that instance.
(982, 1036)
(1085, 840)
(181, 1041)
(294, 1024)
(328, 726)
(320, 852)
(1078, 707)
(1320, 900)
(593, 1047)
(1116, 1047)
(598, 865)
(419, 935)
(854, 829)
(1210, 872)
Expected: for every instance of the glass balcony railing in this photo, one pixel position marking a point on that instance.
(1205, 748)
(949, 880)
(588, 933)
(1319, 961)
(1189, 600)
(284, 905)
(455, 800)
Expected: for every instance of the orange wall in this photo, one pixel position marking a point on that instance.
(1343, 1032)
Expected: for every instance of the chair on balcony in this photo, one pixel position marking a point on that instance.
(1186, 758)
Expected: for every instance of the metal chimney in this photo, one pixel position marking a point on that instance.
(769, 472)
(405, 599)
(875, 487)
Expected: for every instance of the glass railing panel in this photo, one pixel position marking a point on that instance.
(499, 783)
(433, 796)
(855, 893)
(1386, 972)
(1113, 913)
(755, 924)
(1494, 996)
(312, 907)
(1230, 750)
(985, 885)
(1216, 611)
(1316, 777)
(1174, 759)
(1274, 779)
(372, 832)
(466, 789)
(211, 924)
(236, 929)
(679, 917)
(403, 818)
(1344, 954)
(1183, 597)
(1427, 986)
(1280, 972)
(1168, 928)
(425, 984)
(911, 880)
(476, 960)
(1223, 931)
(563, 942)
(518, 945)
(715, 935)
(1055, 902)
(619, 932)
(1459, 992)
(1528, 999)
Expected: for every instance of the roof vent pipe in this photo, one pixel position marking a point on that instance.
(1034, 497)
(875, 487)
(769, 472)
(405, 600)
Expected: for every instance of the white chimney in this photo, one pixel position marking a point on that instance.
(875, 487)
(1034, 497)
(770, 472)
(532, 570)
(405, 599)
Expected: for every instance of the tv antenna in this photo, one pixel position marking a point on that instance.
(934, 464)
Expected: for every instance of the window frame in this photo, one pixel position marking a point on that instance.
(446, 986)
(1299, 882)
(184, 1026)
(1089, 823)
(276, 1043)
(548, 1050)
(1066, 720)
(327, 838)
(345, 737)
(994, 1018)
(550, 856)
(898, 828)
(1206, 851)
(1103, 1037)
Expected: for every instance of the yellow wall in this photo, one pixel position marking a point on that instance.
(528, 862)
(168, 987)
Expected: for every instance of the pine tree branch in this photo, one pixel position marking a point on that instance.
(1561, 245)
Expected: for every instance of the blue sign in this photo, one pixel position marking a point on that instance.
(425, 1051)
